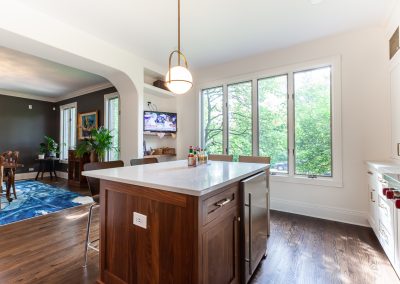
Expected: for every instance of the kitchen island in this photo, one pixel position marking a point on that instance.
(170, 223)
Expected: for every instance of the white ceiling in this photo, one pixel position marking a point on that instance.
(213, 31)
(25, 74)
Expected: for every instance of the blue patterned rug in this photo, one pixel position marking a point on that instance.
(35, 199)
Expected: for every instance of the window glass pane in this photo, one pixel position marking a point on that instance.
(65, 133)
(313, 143)
(113, 125)
(240, 119)
(73, 129)
(213, 119)
(273, 127)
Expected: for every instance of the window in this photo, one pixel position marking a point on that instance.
(240, 119)
(67, 129)
(312, 100)
(111, 122)
(273, 121)
(212, 133)
(292, 115)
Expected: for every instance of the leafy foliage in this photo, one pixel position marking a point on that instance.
(48, 146)
(312, 105)
(100, 141)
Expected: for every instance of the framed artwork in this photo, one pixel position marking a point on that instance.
(86, 123)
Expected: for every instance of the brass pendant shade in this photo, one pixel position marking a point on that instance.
(179, 80)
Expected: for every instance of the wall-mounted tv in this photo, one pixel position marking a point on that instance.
(156, 121)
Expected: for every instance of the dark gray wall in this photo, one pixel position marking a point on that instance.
(90, 102)
(86, 103)
(23, 129)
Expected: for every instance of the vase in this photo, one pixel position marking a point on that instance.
(94, 158)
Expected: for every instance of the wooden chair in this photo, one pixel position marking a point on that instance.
(144, 161)
(8, 174)
(224, 158)
(255, 159)
(260, 160)
(94, 188)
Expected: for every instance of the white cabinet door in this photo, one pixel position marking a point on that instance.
(395, 108)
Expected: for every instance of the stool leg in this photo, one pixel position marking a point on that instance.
(88, 233)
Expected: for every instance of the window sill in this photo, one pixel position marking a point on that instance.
(326, 182)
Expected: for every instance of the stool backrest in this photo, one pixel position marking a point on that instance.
(224, 158)
(144, 161)
(255, 159)
(94, 183)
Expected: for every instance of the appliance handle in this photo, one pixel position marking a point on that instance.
(250, 234)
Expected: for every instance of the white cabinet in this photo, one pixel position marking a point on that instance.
(395, 106)
(383, 216)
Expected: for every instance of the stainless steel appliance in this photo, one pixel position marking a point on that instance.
(255, 212)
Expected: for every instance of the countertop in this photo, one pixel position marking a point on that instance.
(390, 167)
(176, 176)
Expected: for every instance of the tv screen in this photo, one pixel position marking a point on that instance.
(155, 121)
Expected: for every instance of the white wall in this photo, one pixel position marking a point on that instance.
(365, 118)
(30, 31)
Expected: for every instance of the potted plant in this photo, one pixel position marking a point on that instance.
(99, 142)
(48, 148)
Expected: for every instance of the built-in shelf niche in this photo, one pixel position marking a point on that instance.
(150, 77)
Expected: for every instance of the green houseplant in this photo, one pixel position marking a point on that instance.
(99, 142)
(48, 148)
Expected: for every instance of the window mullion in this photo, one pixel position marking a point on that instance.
(291, 121)
(255, 121)
(225, 119)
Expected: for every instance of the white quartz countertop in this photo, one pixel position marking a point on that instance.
(390, 167)
(176, 176)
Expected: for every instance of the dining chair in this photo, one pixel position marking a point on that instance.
(261, 160)
(224, 158)
(94, 188)
(144, 161)
(255, 159)
(10, 158)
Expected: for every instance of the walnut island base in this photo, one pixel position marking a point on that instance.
(191, 233)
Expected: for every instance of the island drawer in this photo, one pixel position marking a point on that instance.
(216, 205)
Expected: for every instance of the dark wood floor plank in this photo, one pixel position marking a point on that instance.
(49, 249)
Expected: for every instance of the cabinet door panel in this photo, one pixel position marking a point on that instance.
(395, 105)
(221, 251)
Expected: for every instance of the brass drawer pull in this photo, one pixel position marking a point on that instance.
(223, 202)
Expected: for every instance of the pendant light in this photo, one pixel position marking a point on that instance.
(178, 79)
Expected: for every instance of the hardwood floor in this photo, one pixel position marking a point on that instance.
(49, 249)
(308, 250)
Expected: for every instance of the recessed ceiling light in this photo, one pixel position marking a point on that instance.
(315, 2)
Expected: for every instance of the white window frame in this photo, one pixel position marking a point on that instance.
(108, 97)
(73, 129)
(336, 116)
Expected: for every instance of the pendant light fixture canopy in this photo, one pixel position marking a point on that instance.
(178, 78)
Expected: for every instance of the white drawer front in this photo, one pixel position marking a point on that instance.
(385, 209)
(387, 241)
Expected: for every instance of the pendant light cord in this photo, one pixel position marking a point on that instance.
(179, 31)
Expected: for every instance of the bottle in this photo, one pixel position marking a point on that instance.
(201, 156)
(190, 157)
(205, 156)
(195, 158)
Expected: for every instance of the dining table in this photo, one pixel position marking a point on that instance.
(10, 169)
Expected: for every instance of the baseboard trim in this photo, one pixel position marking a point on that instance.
(324, 212)
(32, 175)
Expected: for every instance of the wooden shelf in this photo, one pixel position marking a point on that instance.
(156, 134)
(150, 89)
